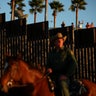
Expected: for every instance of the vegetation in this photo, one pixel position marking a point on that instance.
(16, 6)
(36, 6)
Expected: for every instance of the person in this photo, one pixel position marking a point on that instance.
(80, 24)
(92, 24)
(72, 24)
(63, 24)
(87, 25)
(62, 63)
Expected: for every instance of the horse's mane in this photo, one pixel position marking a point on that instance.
(37, 68)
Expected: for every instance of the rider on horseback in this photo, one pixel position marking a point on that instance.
(62, 62)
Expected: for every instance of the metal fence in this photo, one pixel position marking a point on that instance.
(32, 41)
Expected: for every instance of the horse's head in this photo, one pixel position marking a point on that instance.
(12, 74)
(18, 73)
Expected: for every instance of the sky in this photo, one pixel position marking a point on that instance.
(67, 16)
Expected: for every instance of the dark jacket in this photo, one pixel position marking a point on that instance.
(62, 62)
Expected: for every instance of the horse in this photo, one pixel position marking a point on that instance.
(90, 86)
(20, 79)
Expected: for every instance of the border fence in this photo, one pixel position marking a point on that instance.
(32, 41)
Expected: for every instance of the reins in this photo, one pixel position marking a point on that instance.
(42, 78)
(24, 85)
(11, 80)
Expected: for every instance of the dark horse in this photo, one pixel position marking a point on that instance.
(21, 80)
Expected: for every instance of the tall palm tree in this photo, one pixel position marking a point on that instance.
(57, 7)
(36, 6)
(19, 5)
(16, 4)
(76, 5)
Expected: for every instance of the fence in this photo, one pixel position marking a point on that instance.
(85, 51)
(32, 41)
(29, 40)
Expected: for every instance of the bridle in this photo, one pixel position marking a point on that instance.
(12, 83)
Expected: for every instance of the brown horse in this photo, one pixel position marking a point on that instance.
(19, 76)
(19, 79)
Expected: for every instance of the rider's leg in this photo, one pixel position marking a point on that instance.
(64, 88)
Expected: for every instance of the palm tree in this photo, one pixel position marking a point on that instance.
(76, 5)
(36, 6)
(19, 5)
(16, 5)
(57, 7)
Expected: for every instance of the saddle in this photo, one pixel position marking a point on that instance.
(76, 88)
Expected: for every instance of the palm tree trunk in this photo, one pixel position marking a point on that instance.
(76, 18)
(54, 14)
(34, 17)
(13, 8)
(54, 21)
(46, 10)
